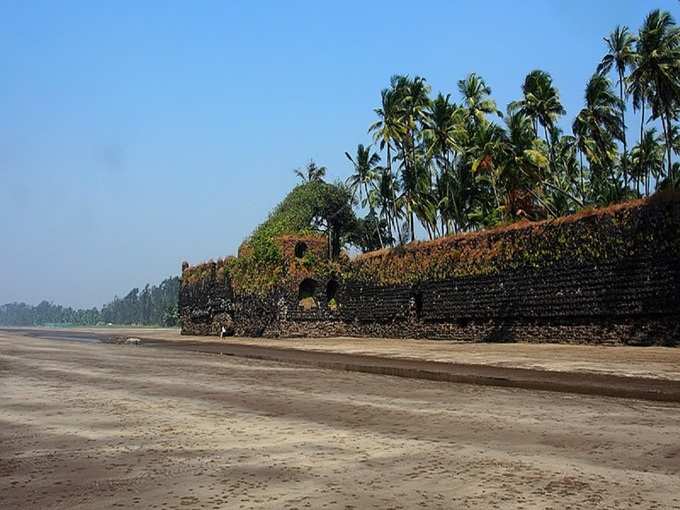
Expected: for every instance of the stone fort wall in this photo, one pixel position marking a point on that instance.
(604, 276)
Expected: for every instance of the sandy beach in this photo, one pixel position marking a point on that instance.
(88, 425)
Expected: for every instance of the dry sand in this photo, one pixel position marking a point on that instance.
(110, 426)
(653, 362)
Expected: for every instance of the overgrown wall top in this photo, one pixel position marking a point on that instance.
(622, 231)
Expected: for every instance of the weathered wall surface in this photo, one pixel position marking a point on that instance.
(609, 276)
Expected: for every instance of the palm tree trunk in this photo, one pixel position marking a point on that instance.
(394, 198)
(668, 132)
(428, 229)
(551, 163)
(448, 194)
(377, 227)
(647, 184)
(623, 127)
(642, 130)
(580, 171)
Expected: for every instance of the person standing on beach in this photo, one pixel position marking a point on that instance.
(222, 332)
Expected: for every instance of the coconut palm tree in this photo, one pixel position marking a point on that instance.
(657, 71)
(540, 102)
(486, 155)
(311, 172)
(477, 98)
(621, 56)
(384, 190)
(638, 88)
(675, 139)
(647, 157)
(413, 94)
(523, 159)
(443, 129)
(365, 166)
(562, 186)
(387, 131)
(598, 124)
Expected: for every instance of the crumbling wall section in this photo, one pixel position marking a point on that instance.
(606, 276)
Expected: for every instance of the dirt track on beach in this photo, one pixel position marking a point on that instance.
(111, 426)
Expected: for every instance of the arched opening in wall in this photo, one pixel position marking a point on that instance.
(306, 293)
(300, 249)
(331, 293)
(418, 304)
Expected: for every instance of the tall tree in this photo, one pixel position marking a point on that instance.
(657, 71)
(477, 98)
(442, 130)
(599, 124)
(647, 157)
(413, 94)
(621, 56)
(385, 190)
(540, 102)
(365, 165)
(311, 172)
(387, 131)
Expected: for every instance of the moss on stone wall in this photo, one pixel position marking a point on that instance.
(264, 259)
(602, 275)
(589, 237)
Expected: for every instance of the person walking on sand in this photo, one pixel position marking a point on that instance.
(222, 332)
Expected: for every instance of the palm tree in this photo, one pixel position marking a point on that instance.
(598, 124)
(486, 156)
(520, 165)
(365, 165)
(563, 183)
(477, 98)
(638, 88)
(675, 139)
(442, 130)
(647, 157)
(388, 130)
(311, 172)
(382, 195)
(657, 71)
(621, 55)
(413, 97)
(414, 176)
(540, 101)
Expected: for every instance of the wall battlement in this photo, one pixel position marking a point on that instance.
(603, 276)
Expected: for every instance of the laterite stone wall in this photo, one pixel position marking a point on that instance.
(609, 276)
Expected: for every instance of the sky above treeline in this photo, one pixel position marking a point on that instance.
(135, 135)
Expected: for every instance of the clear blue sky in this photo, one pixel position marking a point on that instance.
(134, 135)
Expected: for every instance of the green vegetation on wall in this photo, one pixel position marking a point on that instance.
(589, 237)
(314, 207)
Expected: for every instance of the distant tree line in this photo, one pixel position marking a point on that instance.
(153, 305)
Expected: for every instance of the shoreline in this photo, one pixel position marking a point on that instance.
(377, 358)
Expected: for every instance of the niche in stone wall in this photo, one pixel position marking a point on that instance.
(300, 249)
(306, 294)
(331, 293)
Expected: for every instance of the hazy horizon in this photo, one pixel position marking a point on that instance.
(135, 136)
